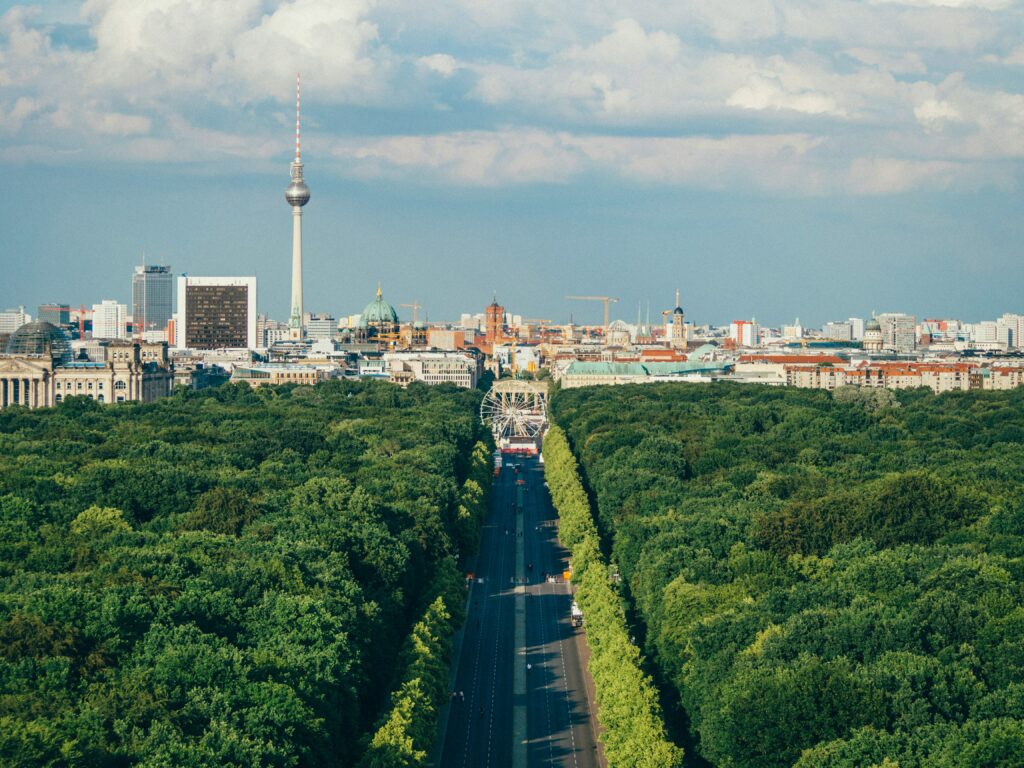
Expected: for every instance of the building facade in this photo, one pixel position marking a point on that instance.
(109, 320)
(899, 332)
(432, 368)
(216, 313)
(12, 319)
(152, 298)
(37, 371)
(55, 314)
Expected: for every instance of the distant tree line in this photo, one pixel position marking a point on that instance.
(826, 582)
(227, 577)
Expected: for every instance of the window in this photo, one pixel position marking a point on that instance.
(59, 398)
(90, 385)
(120, 385)
(99, 397)
(120, 398)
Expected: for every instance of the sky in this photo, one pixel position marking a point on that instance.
(774, 159)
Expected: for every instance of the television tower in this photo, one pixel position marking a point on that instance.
(297, 195)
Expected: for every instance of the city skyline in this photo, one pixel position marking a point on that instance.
(825, 169)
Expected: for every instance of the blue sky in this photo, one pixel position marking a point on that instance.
(771, 158)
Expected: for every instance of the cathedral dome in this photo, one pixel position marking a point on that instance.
(41, 338)
(378, 313)
(872, 325)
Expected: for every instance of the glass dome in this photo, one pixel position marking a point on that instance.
(41, 338)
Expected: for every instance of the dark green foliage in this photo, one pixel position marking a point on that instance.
(826, 581)
(225, 578)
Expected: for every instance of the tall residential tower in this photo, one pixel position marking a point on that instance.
(297, 195)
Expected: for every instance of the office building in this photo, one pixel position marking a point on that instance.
(899, 332)
(55, 314)
(745, 333)
(216, 313)
(12, 319)
(321, 326)
(838, 331)
(109, 320)
(152, 299)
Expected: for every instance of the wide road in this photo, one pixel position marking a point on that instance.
(551, 724)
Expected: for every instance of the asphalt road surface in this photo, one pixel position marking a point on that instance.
(485, 711)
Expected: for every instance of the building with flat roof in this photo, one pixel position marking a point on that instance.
(216, 313)
(152, 298)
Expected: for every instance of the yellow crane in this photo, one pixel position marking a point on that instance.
(541, 321)
(606, 299)
(414, 306)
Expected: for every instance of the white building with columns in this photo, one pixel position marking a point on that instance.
(37, 370)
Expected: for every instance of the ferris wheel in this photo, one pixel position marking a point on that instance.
(515, 409)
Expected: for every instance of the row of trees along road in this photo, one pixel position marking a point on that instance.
(826, 581)
(632, 731)
(225, 577)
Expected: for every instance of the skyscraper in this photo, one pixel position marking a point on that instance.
(152, 299)
(216, 313)
(297, 195)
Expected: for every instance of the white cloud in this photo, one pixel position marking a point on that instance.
(441, 63)
(805, 96)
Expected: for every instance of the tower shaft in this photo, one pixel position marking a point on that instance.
(295, 318)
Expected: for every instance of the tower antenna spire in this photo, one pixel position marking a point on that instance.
(298, 133)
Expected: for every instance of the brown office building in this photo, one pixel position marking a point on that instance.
(216, 313)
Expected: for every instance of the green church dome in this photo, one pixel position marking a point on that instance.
(378, 312)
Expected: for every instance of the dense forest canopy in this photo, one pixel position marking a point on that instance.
(225, 577)
(825, 580)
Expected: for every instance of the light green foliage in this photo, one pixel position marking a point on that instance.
(826, 581)
(227, 577)
(405, 735)
(632, 731)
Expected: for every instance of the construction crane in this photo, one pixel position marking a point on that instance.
(541, 321)
(414, 306)
(606, 299)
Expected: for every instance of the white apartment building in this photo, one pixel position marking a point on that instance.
(12, 319)
(109, 320)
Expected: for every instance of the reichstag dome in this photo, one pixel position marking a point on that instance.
(41, 338)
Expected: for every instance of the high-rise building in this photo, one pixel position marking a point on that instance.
(857, 327)
(297, 195)
(109, 320)
(745, 333)
(899, 332)
(1015, 326)
(216, 313)
(12, 319)
(152, 298)
(55, 314)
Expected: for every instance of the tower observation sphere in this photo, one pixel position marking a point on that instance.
(297, 193)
